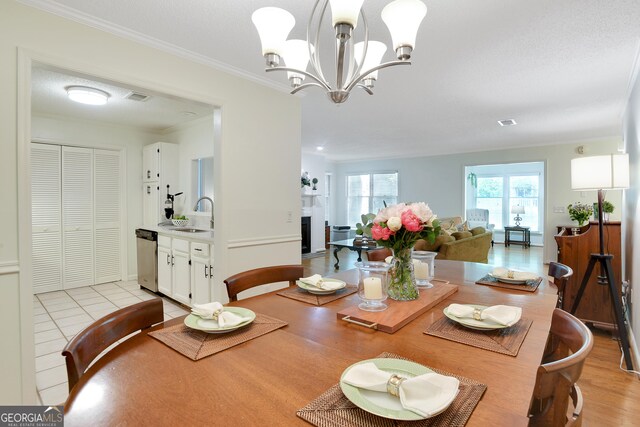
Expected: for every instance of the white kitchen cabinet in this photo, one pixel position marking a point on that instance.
(150, 163)
(201, 273)
(160, 167)
(165, 271)
(181, 271)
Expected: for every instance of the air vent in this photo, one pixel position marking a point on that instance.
(507, 122)
(137, 96)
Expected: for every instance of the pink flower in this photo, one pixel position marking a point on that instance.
(379, 232)
(411, 221)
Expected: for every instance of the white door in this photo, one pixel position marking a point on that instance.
(200, 280)
(77, 217)
(181, 277)
(165, 271)
(45, 217)
(107, 196)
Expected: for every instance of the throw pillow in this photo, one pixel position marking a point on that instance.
(478, 230)
(463, 227)
(459, 235)
(423, 245)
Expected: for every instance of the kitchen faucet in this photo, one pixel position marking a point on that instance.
(195, 207)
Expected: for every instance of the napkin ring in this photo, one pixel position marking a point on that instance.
(511, 274)
(393, 385)
(477, 314)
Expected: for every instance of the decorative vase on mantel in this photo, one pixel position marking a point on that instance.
(402, 282)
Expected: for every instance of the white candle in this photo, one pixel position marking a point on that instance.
(421, 270)
(372, 288)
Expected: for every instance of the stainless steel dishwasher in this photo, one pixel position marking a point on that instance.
(147, 243)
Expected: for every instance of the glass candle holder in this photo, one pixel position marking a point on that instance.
(373, 283)
(424, 268)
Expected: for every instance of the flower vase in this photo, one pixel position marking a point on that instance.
(402, 284)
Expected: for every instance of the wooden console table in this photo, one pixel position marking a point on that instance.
(526, 236)
(574, 251)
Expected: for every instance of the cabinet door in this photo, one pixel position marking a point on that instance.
(200, 280)
(165, 272)
(150, 163)
(181, 277)
(150, 204)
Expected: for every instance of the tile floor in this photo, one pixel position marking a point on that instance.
(60, 315)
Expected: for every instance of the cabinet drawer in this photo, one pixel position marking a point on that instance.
(180, 245)
(200, 249)
(164, 241)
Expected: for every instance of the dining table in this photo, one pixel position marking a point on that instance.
(266, 380)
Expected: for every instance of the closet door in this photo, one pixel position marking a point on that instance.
(77, 217)
(45, 218)
(107, 207)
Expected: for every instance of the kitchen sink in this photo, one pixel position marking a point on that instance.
(190, 230)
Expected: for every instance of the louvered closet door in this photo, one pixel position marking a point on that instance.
(45, 218)
(77, 217)
(106, 198)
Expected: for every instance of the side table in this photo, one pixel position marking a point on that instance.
(526, 236)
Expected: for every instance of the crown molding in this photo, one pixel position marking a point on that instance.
(120, 31)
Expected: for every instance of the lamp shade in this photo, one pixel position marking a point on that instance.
(87, 95)
(273, 25)
(608, 172)
(403, 18)
(375, 52)
(517, 209)
(296, 55)
(345, 12)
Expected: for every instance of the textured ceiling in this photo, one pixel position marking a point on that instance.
(560, 69)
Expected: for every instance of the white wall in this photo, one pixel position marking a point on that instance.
(440, 181)
(256, 161)
(315, 165)
(86, 133)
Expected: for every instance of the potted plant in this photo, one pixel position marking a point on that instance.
(363, 229)
(580, 212)
(305, 182)
(314, 181)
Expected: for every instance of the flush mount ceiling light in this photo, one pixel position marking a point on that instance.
(357, 64)
(87, 95)
(507, 122)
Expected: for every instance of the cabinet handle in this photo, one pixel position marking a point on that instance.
(172, 260)
(211, 271)
(148, 189)
(148, 174)
(205, 272)
(167, 259)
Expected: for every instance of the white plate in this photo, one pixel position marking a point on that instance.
(319, 291)
(384, 404)
(196, 322)
(512, 281)
(481, 325)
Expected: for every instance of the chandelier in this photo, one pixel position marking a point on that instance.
(356, 64)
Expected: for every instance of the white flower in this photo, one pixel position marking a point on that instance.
(394, 223)
(422, 211)
(388, 212)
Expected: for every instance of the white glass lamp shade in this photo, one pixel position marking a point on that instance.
(345, 12)
(87, 95)
(608, 172)
(375, 52)
(403, 18)
(273, 25)
(296, 55)
(517, 209)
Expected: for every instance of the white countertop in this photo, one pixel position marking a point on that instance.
(170, 230)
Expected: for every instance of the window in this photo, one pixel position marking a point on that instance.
(500, 187)
(368, 193)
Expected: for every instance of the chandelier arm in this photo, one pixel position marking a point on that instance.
(315, 58)
(295, 70)
(354, 76)
(366, 89)
(304, 86)
(376, 68)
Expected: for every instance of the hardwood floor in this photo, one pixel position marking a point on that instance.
(611, 396)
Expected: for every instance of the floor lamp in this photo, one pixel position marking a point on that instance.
(609, 172)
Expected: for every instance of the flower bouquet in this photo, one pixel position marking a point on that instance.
(580, 212)
(398, 227)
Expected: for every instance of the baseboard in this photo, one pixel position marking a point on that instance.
(132, 277)
(635, 354)
(322, 249)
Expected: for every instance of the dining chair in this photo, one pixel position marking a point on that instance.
(560, 275)
(97, 337)
(379, 254)
(569, 344)
(479, 218)
(262, 276)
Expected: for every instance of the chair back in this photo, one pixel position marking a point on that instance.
(560, 275)
(570, 342)
(478, 218)
(262, 276)
(95, 338)
(379, 254)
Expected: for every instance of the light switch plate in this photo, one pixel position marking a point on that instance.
(558, 209)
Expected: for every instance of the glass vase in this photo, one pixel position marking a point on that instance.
(402, 283)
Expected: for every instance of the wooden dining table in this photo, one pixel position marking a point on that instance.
(264, 381)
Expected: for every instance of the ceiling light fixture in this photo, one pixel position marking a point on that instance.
(507, 122)
(319, 148)
(357, 64)
(87, 95)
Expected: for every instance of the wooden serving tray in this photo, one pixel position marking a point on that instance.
(399, 313)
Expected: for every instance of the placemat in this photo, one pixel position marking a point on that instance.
(333, 409)
(296, 293)
(528, 286)
(198, 344)
(505, 341)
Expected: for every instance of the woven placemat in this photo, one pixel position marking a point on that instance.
(296, 293)
(528, 286)
(198, 344)
(333, 409)
(505, 341)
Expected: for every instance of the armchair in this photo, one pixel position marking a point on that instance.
(479, 218)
